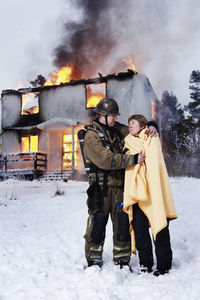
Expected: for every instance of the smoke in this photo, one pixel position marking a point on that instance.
(162, 37)
(86, 43)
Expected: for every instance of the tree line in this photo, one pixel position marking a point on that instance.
(180, 131)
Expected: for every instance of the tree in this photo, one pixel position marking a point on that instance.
(171, 113)
(38, 82)
(171, 110)
(193, 106)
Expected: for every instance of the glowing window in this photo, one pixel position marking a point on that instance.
(29, 143)
(30, 104)
(94, 93)
(68, 151)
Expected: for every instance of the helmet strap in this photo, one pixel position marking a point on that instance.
(106, 118)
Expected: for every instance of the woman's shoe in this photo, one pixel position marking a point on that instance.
(160, 272)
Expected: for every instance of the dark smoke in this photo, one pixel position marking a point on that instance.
(86, 44)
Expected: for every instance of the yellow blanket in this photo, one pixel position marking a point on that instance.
(148, 184)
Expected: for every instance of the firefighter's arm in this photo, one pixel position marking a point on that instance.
(102, 157)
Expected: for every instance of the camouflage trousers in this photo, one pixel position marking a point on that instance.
(96, 228)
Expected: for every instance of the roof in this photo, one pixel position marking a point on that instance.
(122, 75)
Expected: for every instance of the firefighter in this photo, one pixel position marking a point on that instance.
(103, 150)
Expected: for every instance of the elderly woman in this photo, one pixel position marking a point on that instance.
(147, 199)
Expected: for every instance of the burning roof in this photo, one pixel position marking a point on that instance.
(121, 75)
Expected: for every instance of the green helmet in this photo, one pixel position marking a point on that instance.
(107, 106)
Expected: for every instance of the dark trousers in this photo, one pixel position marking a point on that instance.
(144, 244)
(96, 229)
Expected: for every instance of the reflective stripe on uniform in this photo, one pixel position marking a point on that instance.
(99, 249)
(121, 249)
(122, 255)
(94, 256)
(90, 221)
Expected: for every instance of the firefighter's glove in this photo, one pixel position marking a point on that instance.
(131, 160)
(95, 196)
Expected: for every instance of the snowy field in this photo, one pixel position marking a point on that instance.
(42, 247)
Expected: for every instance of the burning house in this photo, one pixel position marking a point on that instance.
(39, 125)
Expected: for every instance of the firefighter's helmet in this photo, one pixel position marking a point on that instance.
(107, 106)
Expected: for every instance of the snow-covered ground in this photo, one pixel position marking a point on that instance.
(42, 247)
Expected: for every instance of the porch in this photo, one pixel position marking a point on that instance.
(28, 165)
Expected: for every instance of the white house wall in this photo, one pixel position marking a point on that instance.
(142, 95)
(11, 109)
(122, 92)
(10, 142)
(133, 96)
(64, 102)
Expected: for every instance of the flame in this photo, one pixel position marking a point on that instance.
(94, 99)
(130, 64)
(95, 92)
(64, 74)
(29, 105)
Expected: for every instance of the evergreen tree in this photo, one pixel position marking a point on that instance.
(193, 107)
(180, 135)
(171, 110)
(171, 114)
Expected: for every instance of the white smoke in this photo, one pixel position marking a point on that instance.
(163, 39)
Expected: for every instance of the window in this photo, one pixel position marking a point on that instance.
(94, 93)
(70, 152)
(30, 104)
(29, 143)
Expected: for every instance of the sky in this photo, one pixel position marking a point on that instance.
(162, 38)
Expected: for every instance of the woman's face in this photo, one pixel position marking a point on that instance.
(134, 127)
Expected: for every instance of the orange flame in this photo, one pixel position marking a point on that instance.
(130, 64)
(94, 99)
(95, 92)
(63, 75)
(29, 106)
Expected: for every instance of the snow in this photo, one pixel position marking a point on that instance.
(42, 247)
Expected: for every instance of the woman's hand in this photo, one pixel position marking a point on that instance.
(141, 158)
